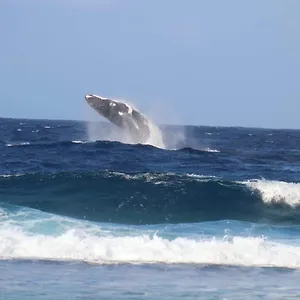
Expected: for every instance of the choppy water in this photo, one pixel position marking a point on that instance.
(215, 214)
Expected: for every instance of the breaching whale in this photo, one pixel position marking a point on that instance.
(122, 115)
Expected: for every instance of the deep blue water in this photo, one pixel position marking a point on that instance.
(199, 213)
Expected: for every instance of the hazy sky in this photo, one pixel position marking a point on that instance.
(189, 62)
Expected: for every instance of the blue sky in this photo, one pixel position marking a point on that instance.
(231, 63)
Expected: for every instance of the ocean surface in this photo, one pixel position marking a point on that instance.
(196, 213)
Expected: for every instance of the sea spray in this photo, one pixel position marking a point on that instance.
(155, 138)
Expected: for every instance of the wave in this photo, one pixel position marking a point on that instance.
(75, 245)
(277, 191)
(46, 144)
(103, 144)
(31, 234)
(151, 198)
(18, 144)
(190, 150)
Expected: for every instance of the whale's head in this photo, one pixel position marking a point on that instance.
(112, 110)
(100, 104)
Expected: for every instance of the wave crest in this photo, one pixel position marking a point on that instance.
(149, 198)
(277, 191)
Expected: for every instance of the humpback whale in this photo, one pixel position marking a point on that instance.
(122, 115)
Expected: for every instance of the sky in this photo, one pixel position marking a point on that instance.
(218, 63)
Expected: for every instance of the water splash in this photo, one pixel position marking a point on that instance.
(155, 138)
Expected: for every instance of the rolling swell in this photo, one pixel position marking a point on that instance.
(149, 198)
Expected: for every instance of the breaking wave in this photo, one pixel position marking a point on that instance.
(30, 234)
(150, 198)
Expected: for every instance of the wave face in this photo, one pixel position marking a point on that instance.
(212, 196)
(150, 198)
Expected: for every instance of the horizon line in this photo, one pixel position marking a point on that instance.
(184, 125)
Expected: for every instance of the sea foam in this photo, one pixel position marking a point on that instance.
(23, 238)
(276, 191)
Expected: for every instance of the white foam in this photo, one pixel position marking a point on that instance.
(211, 150)
(202, 177)
(161, 178)
(79, 142)
(80, 245)
(18, 144)
(12, 175)
(276, 191)
(148, 177)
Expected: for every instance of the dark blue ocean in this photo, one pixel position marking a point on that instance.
(196, 213)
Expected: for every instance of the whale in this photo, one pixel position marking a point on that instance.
(121, 114)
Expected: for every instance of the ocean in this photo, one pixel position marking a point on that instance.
(197, 213)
